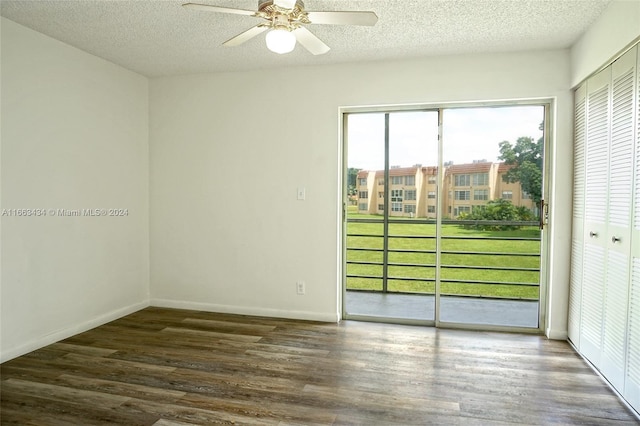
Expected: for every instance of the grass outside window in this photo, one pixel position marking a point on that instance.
(504, 283)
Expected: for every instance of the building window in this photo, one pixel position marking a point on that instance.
(409, 208)
(410, 180)
(478, 208)
(380, 182)
(396, 180)
(526, 195)
(410, 195)
(396, 207)
(462, 180)
(431, 180)
(431, 209)
(381, 194)
(363, 181)
(380, 207)
(462, 195)
(480, 179)
(480, 194)
(363, 194)
(507, 195)
(431, 194)
(362, 206)
(461, 209)
(396, 196)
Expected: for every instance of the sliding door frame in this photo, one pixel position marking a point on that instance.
(549, 114)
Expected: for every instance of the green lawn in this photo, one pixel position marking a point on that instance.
(426, 261)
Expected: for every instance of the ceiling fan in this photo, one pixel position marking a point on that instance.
(286, 20)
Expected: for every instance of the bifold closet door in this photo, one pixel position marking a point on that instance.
(604, 304)
(577, 241)
(618, 240)
(595, 229)
(632, 372)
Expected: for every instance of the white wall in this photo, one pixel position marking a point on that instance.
(618, 26)
(74, 136)
(228, 151)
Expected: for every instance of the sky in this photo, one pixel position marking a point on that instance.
(468, 134)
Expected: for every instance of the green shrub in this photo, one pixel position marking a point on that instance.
(497, 210)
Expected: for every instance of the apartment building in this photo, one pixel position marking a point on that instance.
(412, 190)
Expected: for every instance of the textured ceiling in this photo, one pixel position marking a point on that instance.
(159, 38)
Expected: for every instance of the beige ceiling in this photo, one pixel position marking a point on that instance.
(159, 38)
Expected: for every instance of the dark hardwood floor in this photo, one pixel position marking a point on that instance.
(175, 367)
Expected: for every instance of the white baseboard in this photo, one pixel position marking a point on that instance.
(65, 333)
(245, 310)
(556, 334)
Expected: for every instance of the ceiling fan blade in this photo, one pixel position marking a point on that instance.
(343, 18)
(245, 36)
(310, 42)
(209, 8)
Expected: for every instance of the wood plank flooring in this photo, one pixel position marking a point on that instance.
(168, 367)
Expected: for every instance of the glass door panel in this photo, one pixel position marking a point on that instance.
(391, 215)
(365, 239)
(490, 236)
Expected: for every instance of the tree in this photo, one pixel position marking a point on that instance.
(352, 180)
(526, 158)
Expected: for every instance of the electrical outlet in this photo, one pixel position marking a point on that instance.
(300, 287)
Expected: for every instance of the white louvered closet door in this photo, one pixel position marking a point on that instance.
(632, 377)
(621, 168)
(596, 201)
(577, 242)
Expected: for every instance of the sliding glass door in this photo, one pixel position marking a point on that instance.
(442, 223)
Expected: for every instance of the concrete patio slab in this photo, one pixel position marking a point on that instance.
(511, 313)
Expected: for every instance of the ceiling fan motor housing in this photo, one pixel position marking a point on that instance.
(269, 6)
(279, 17)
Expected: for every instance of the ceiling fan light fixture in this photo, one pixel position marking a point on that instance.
(280, 40)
